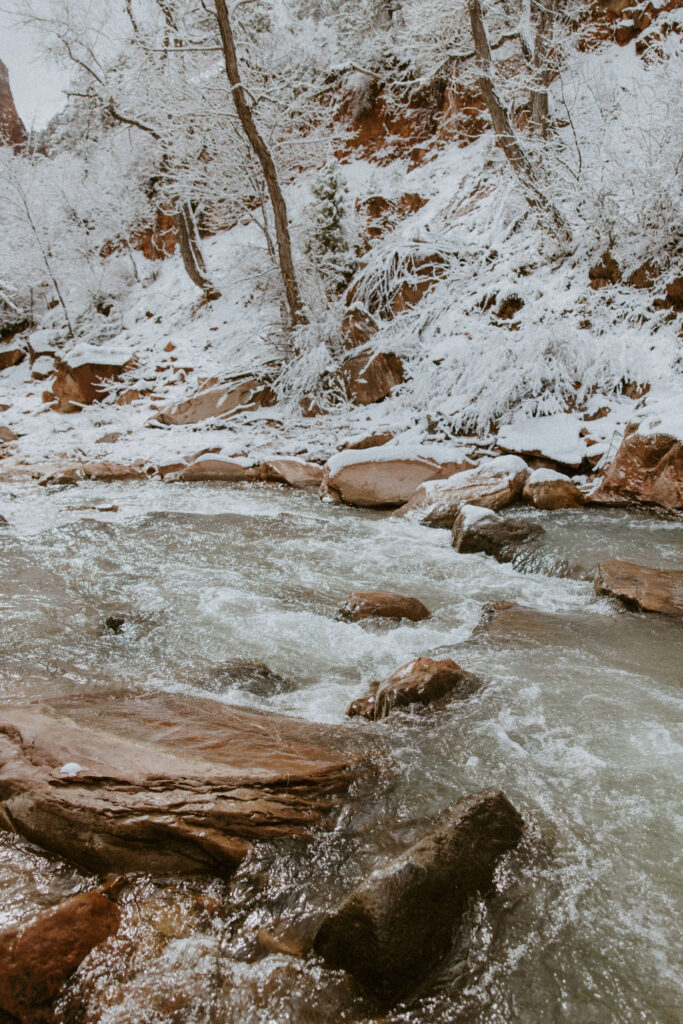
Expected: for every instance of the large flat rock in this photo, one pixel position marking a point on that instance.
(166, 782)
(641, 587)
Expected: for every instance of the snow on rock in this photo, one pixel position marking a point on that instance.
(647, 469)
(471, 514)
(70, 769)
(493, 484)
(548, 489)
(386, 477)
(555, 437)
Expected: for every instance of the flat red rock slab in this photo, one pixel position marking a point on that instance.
(166, 782)
(641, 587)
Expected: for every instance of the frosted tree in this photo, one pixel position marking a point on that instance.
(328, 244)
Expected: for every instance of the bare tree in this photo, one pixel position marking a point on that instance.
(246, 117)
(541, 65)
(505, 133)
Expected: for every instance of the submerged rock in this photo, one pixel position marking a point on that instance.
(38, 956)
(166, 782)
(548, 489)
(379, 604)
(244, 674)
(640, 587)
(648, 469)
(398, 924)
(422, 681)
(494, 484)
(476, 530)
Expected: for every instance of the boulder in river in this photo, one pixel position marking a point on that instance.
(377, 604)
(293, 472)
(386, 477)
(548, 489)
(477, 530)
(494, 484)
(391, 930)
(640, 587)
(38, 956)
(648, 469)
(166, 782)
(422, 681)
(246, 674)
(230, 470)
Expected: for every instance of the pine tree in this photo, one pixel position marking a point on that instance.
(328, 246)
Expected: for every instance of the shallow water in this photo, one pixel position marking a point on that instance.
(578, 723)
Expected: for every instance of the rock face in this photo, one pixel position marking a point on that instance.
(490, 534)
(12, 130)
(641, 588)
(369, 378)
(381, 605)
(293, 472)
(38, 956)
(548, 489)
(393, 928)
(220, 402)
(385, 478)
(648, 468)
(494, 484)
(213, 467)
(165, 783)
(11, 357)
(78, 383)
(422, 681)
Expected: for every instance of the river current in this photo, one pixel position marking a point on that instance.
(579, 724)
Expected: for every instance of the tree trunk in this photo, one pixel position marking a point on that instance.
(539, 95)
(502, 126)
(284, 244)
(188, 240)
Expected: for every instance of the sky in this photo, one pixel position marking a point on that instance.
(36, 83)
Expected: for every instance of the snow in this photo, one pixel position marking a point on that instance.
(555, 437)
(392, 452)
(104, 355)
(543, 476)
(70, 769)
(471, 514)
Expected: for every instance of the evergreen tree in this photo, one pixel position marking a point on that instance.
(328, 246)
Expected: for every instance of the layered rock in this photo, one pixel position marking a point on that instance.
(399, 923)
(220, 401)
(387, 477)
(12, 130)
(422, 681)
(548, 489)
(640, 587)
(381, 605)
(38, 956)
(165, 783)
(477, 530)
(84, 379)
(494, 484)
(648, 469)
(369, 378)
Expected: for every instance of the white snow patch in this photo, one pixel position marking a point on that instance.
(555, 437)
(435, 453)
(471, 514)
(70, 769)
(542, 476)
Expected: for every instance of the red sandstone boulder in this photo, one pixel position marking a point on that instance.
(369, 378)
(398, 924)
(11, 357)
(381, 605)
(550, 490)
(220, 401)
(214, 467)
(12, 130)
(109, 471)
(84, 379)
(640, 587)
(422, 681)
(493, 484)
(477, 530)
(38, 956)
(386, 477)
(293, 472)
(648, 468)
(166, 783)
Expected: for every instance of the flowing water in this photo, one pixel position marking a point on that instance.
(578, 724)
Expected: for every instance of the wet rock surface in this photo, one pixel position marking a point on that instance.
(392, 929)
(423, 681)
(374, 480)
(378, 604)
(640, 587)
(38, 956)
(250, 676)
(494, 484)
(491, 534)
(165, 782)
(648, 468)
(549, 490)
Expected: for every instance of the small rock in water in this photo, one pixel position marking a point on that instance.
(640, 587)
(422, 681)
(115, 623)
(253, 676)
(478, 530)
(38, 956)
(548, 489)
(381, 605)
(3, 522)
(399, 923)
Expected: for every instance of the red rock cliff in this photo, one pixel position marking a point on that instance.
(12, 128)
